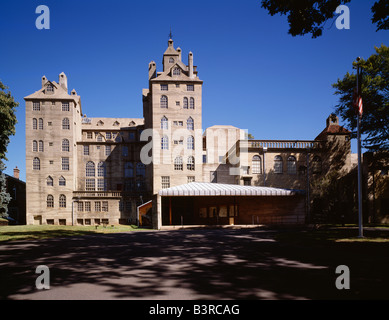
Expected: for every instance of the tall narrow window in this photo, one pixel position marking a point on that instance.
(125, 151)
(90, 169)
(128, 170)
(49, 181)
(101, 184)
(107, 150)
(36, 164)
(178, 164)
(86, 150)
(62, 181)
(65, 124)
(101, 172)
(50, 201)
(257, 165)
(185, 103)
(190, 124)
(316, 165)
(164, 102)
(192, 103)
(65, 106)
(65, 164)
(35, 146)
(40, 124)
(41, 146)
(65, 145)
(62, 201)
(165, 143)
(278, 164)
(165, 182)
(90, 184)
(34, 123)
(191, 163)
(190, 143)
(292, 165)
(36, 106)
(164, 123)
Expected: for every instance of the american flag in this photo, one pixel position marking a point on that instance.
(358, 104)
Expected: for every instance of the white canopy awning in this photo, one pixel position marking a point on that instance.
(218, 189)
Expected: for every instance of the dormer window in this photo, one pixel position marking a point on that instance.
(176, 71)
(49, 88)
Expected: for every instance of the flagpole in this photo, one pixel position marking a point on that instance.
(360, 221)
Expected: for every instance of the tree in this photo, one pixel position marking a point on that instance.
(375, 96)
(7, 128)
(310, 16)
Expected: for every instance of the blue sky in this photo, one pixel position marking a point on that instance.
(256, 76)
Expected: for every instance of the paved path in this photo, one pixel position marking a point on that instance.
(187, 264)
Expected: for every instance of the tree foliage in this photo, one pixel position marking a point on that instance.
(375, 96)
(310, 16)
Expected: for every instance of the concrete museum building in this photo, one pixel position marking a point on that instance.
(164, 169)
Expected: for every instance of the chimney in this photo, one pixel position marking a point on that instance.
(152, 70)
(63, 81)
(190, 62)
(44, 80)
(16, 172)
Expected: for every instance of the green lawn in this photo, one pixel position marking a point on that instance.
(8, 233)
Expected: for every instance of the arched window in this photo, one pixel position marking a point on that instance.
(278, 167)
(165, 143)
(40, 124)
(171, 60)
(128, 170)
(185, 103)
(101, 172)
(65, 124)
(178, 164)
(90, 169)
(191, 163)
(164, 102)
(190, 143)
(192, 103)
(65, 145)
(292, 169)
(257, 165)
(41, 146)
(190, 123)
(62, 181)
(35, 146)
(36, 164)
(316, 165)
(49, 181)
(140, 169)
(34, 123)
(62, 201)
(176, 71)
(164, 123)
(50, 201)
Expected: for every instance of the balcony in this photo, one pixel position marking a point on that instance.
(281, 144)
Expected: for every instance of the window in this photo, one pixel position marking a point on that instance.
(99, 138)
(34, 123)
(292, 165)
(41, 146)
(178, 123)
(125, 151)
(49, 88)
(40, 124)
(35, 146)
(128, 170)
(50, 201)
(177, 85)
(49, 181)
(65, 145)
(36, 106)
(62, 181)
(191, 179)
(257, 165)
(165, 182)
(80, 206)
(62, 201)
(131, 136)
(65, 106)
(65, 164)
(101, 172)
(165, 143)
(316, 165)
(164, 87)
(178, 164)
(178, 103)
(87, 206)
(190, 143)
(247, 181)
(204, 158)
(104, 206)
(50, 144)
(278, 164)
(164, 123)
(108, 135)
(171, 60)
(176, 71)
(185, 103)
(97, 206)
(190, 124)
(90, 184)
(192, 103)
(191, 163)
(65, 124)
(101, 185)
(36, 164)
(89, 135)
(164, 102)
(190, 87)
(90, 169)
(49, 123)
(107, 150)
(140, 169)
(86, 150)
